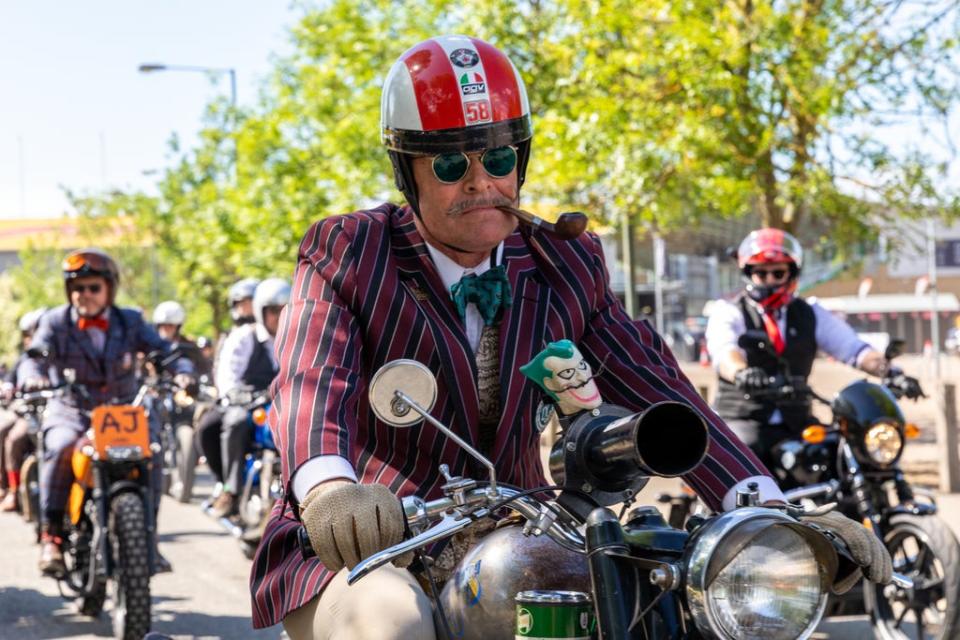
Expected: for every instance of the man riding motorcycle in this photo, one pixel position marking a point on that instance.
(168, 319)
(210, 425)
(452, 282)
(246, 362)
(100, 342)
(770, 262)
(14, 431)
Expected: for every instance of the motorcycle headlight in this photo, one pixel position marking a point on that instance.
(883, 443)
(754, 573)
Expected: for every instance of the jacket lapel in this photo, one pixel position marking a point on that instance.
(521, 334)
(420, 277)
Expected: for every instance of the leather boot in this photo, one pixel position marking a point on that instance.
(51, 557)
(225, 505)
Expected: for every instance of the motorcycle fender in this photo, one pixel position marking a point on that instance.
(122, 486)
(78, 496)
(915, 509)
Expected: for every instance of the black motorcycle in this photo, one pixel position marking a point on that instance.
(853, 461)
(633, 578)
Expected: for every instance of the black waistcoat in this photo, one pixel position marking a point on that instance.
(260, 371)
(801, 349)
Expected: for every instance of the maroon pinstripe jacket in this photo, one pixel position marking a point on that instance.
(366, 292)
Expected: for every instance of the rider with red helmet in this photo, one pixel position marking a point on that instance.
(770, 262)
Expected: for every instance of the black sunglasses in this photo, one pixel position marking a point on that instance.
(80, 288)
(778, 274)
(450, 168)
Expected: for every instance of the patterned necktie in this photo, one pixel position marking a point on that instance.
(490, 292)
(773, 332)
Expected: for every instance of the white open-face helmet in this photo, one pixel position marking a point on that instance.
(29, 321)
(453, 94)
(272, 292)
(169, 312)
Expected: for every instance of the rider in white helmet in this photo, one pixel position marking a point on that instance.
(168, 318)
(14, 430)
(246, 362)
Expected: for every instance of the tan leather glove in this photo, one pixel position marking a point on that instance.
(865, 547)
(348, 522)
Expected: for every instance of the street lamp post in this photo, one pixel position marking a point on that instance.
(151, 67)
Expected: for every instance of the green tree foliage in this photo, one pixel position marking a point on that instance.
(668, 112)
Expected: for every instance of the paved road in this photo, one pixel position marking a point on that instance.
(205, 597)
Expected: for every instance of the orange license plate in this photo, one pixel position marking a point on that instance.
(117, 426)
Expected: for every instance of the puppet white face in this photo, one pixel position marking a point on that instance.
(572, 383)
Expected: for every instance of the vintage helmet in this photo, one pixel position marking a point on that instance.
(272, 292)
(479, 598)
(770, 246)
(169, 312)
(91, 262)
(241, 290)
(29, 321)
(452, 93)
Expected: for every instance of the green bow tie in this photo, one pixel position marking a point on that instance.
(489, 292)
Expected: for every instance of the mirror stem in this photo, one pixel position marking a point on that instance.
(450, 434)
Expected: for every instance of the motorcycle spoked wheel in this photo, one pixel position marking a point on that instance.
(130, 586)
(924, 549)
(185, 472)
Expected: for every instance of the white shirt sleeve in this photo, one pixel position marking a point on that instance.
(836, 338)
(724, 328)
(320, 469)
(766, 487)
(234, 358)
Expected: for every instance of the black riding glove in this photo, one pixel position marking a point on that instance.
(751, 379)
(903, 385)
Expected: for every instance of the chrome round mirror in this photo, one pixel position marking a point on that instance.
(411, 378)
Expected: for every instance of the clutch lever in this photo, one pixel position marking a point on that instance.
(450, 524)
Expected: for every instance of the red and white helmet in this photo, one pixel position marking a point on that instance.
(769, 245)
(448, 94)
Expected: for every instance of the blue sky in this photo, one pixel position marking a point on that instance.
(69, 79)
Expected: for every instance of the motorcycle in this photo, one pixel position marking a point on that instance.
(852, 460)
(639, 578)
(109, 521)
(262, 484)
(29, 405)
(181, 453)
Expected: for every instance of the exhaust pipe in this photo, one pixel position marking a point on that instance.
(668, 439)
(609, 454)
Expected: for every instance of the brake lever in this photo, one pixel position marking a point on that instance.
(450, 524)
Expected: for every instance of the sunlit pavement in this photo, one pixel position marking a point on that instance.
(206, 596)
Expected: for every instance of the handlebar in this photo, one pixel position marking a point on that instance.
(458, 512)
(783, 388)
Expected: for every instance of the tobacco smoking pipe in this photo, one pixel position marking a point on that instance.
(567, 227)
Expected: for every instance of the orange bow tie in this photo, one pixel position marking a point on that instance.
(93, 323)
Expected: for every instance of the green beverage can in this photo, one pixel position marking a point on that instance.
(554, 615)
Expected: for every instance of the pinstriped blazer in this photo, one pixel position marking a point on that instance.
(366, 292)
